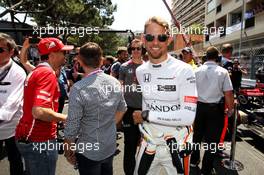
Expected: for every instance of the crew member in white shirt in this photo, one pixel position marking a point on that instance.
(12, 78)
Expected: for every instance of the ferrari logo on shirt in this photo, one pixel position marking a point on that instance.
(51, 45)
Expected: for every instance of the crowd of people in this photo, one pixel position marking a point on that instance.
(165, 106)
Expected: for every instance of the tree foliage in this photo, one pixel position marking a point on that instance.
(67, 12)
(72, 13)
(196, 29)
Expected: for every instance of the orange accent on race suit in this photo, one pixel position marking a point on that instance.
(186, 166)
(190, 99)
(190, 131)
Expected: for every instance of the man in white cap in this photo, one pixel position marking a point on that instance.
(188, 57)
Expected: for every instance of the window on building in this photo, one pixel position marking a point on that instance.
(221, 26)
(235, 18)
(211, 5)
(250, 22)
(223, 31)
(219, 8)
(206, 37)
(210, 30)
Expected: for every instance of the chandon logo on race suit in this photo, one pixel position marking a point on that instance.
(163, 108)
(168, 88)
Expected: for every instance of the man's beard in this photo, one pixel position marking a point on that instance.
(122, 60)
(158, 56)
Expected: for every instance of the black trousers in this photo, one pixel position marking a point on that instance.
(208, 126)
(91, 167)
(14, 157)
(131, 140)
(61, 103)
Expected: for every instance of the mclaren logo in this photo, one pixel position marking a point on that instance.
(147, 77)
(167, 88)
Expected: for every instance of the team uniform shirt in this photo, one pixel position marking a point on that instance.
(11, 100)
(169, 93)
(127, 74)
(236, 78)
(212, 81)
(115, 68)
(227, 64)
(42, 90)
(223, 61)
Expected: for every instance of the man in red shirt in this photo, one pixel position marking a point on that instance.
(36, 131)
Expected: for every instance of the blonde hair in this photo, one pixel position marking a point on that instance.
(159, 21)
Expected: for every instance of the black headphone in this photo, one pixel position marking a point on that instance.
(129, 49)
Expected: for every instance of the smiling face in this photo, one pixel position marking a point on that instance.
(157, 50)
(136, 50)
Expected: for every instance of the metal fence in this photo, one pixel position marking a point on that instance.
(252, 55)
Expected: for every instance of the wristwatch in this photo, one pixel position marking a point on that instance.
(145, 115)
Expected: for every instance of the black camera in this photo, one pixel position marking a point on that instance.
(34, 40)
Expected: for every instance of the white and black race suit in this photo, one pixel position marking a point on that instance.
(170, 95)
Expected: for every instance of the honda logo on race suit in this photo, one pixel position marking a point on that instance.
(147, 77)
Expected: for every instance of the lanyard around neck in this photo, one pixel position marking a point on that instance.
(94, 72)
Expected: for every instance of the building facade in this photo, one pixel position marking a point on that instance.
(189, 13)
(223, 20)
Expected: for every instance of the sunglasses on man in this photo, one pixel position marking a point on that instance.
(3, 49)
(161, 37)
(136, 48)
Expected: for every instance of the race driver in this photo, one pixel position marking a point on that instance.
(169, 104)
